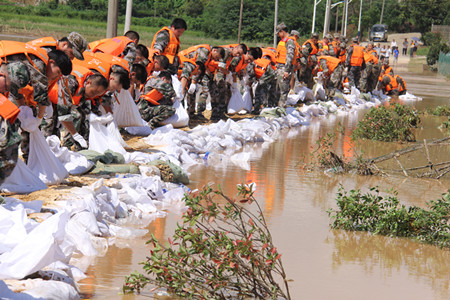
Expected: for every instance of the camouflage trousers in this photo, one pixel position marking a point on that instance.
(155, 114)
(265, 91)
(354, 76)
(220, 99)
(206, 87)
(368, 78)
(334, 81)
(25, 142)
(283, 86)
(9, 149)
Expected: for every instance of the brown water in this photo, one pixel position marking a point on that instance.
(323, 263)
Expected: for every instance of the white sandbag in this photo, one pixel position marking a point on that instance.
(319, 91)
(126, 112)
(114, 131)
(75, 163)
(143, 130)
(39, 249)
(43, 162)
(100, 139)
(247, 99)
(180, 118)
(176, 84)
(236, 103)
(22, 180)
(50, 289)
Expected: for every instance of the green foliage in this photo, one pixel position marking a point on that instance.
(219, 251)
(445, 125)
(437, 45)
(386, 216)
(388, 123)
(439, 111)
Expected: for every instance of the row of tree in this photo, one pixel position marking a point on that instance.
(220, 18)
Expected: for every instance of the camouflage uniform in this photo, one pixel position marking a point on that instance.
(161, 41)
(9, 149)
(21, 73)
(283, 85)
(129, 53)
(307, 62)
(265, 91)
(333, 83)
(366, 77)
(155, 114)
(354, 72)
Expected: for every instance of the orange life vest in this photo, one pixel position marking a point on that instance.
(101, 62)
(241, 65)
(261, 65)
(44, 42)
(373, 52)
(113, 46)
(314, 47)
(369, 57)
(153, 96)
(392, 84)
(8, 110)
(172, 47)
(324, 46)
(81, 74)
(332, 63)
(282, 50)
(188, 52)
(357, 56)
(271, 53)
(385, 71)
(151, 62)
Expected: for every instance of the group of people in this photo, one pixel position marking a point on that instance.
(65, 80)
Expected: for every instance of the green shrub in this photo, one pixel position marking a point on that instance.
(439, 111)
(388, 123)
(221, 251)
(437, 45)
(386, 216)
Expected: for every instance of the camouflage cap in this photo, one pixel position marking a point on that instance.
(343, 45)
(329, 36)
(295, 32)
(314, 35)
(355, 39)
(281, 27)
(78, 43)
(336, 35)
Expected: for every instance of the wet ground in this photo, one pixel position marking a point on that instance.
(322, 263)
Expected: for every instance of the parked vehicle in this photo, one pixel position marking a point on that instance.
(378, 33)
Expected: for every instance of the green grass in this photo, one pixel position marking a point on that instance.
(39, 26)
(423, 50)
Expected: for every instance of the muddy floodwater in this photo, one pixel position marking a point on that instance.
(322, 263)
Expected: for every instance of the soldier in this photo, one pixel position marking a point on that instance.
(332, 69)
(121, 46)
(156, 103)
(370, 73)
(309, 59)
(296, 35)
(167, 42)
(355, 62)
(389, 85)
(73, 45)
(286, 54)
(9, 138)
(138, 77)
(32, 72)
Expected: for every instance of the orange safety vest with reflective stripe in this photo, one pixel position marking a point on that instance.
(392, 84)
(400, 87)
(357, 56)
(172, 47)
(8, 110)
(113, 46)
(282, 50)
(153, 96)
(369, 57)
(81, 74)
(44, 42)
(314, 47)
(332, 63)
(261, 66)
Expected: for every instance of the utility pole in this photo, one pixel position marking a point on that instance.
(359, 22)
(240, 21)
(314, 15)
(275, 25)
(337, 20)
(111, 27)
(346, 17)
(343, 18)
(382, 11)
(326, 25)
(128, 16)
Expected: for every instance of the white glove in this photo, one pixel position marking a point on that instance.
(222, 65)
(192, 88)
(80, 140)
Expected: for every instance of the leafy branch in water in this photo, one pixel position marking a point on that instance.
(439, 111)
(388, 124)
(386, 216)
(220, 251)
